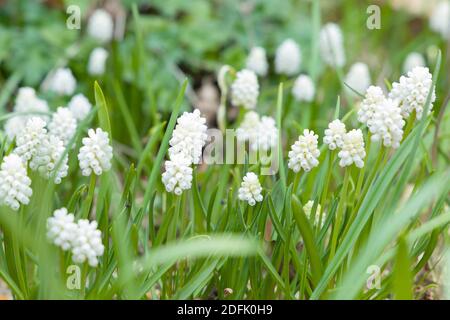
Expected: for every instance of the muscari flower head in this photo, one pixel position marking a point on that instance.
(14, 182)
(61, 228)
(414, 59)
(245, 89)
(96, 153)
(178, 174)
(303, 89)
(352, 150)
(80, 106)
(87, 243)
(261, 133)
(374, 96)
(189, 136)
(440, 19)
(250, 189)
(331, 43)
(257, 61)
(101, 26)
(334, 135)
(358, 78)
(412, 91)
(288, 58)
(304, 153)
(97, 61)
(60, 81)
(63, 124)
(30, 138)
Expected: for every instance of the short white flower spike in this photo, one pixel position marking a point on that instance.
(352, 150)
(14, 182)
(334, 135)
(60, 81)
(414, 59)
(331, 43)
(358, 78)
(30, 138)
(304, 153)
(288, 58)
(61, 228)
(257, 61)
(96, 153)
(178, 174)
(87, 243)
(97, 61)
(373, 98)
(387, 124)
(250, 189)
(80, 106)
(412, 92)
(440, 19)
(304, 89)
(189, 136)
(63, 124)
(101, 26)
(245, 89)
(261, 133)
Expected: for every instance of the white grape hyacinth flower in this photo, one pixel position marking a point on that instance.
(303, 88)
(331, 45)
(250, 189)
(14, 182)
(257, 61)
(412, 92)
(63, 124)
(13, 127)
(96, 153)
(267, 133)
(357, 78)
(387, 124)
(245, 89)
(352, 151)
(60, 81)
(440, 19)
(261, 133)
(87, 243)
(61, 228)
(414, 59)
(80, 106)
(334, 134)
(101, 26)
(97, 61)
(189, 136)
(288, 58)
(373, 97)
(47, 158)
(178, 174)
(304, 153)
(30, 138)
(307, 208)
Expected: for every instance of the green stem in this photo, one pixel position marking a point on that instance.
(90, 197)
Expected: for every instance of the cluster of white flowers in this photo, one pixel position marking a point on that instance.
(80, 106)
(245, 89)
(96, 153)
(250, 189)
(14, 182)
(331, 44)
(257, 61)
(288, 58)
(26, 102)
(188, 139)
(30, 138)
(414, 59)
(82, 237)
(101, 26)
(304, 153)
(440, 19)
(97, 61)
(303, 89)
(334, 134)
(307, 208)
(63, 124)
(60, 81)
(374, 96)
(358, 78)
(352, 150)
(261, 133)
(412, 91)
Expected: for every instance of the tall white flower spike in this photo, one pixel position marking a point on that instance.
(101, 26)
(30, 138)
(97, 61)
(14, 182)
(334, 135)
(80, 106)
(61, 228)
(245, 89)
(304, 153)
(250, 189)
(288, 58)
(63, 124)
(96, 153)
(87, 243)
(304, 89)
(352, 150)
(257, 61)
(331, 44)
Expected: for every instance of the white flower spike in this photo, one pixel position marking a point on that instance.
(250, 189)
(334, 135)
(96, 153)
(101, 26)
(97, 61)
(304, 153)
(358, 78)
(352, 150)
(60, 81)
(303, 89)
(80, 106)
(61, 228)
(87, 243)
(245, 89)
(331, 43)
(440, 19)
(374, 97)
(14, 182)
(262, 134)
(257, 61)
(414, 59)
(30, 138)
(63, 124)
(178, 174)
(288, 58)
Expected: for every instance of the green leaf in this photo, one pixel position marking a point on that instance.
(402, 278)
